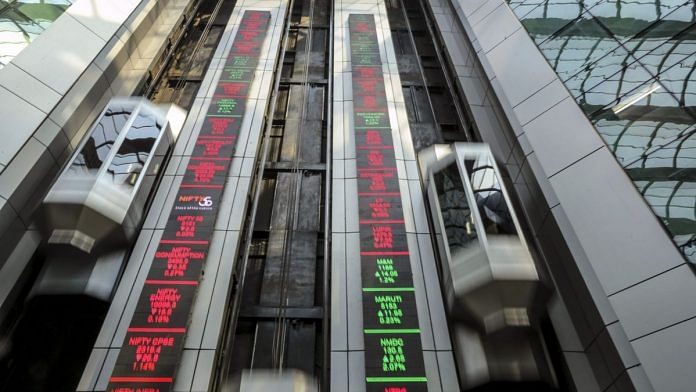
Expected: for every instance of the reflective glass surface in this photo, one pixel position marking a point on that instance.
(631, 66)
(22, 21)
(130, 159)
(490, 200)
(454, 208)
(646, 120)
(97, 147)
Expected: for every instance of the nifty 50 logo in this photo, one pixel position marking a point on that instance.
(194, 202)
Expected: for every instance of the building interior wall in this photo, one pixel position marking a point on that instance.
(50, 101)
(588, 223)
(566, 166)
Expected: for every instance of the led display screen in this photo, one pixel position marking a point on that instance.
(153, 344)
(393, 351)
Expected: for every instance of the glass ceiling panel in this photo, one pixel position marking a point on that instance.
(22, 21)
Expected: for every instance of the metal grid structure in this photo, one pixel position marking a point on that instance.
(277, 312)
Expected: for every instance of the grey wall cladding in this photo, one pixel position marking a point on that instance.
(52, 91)
(537, 133)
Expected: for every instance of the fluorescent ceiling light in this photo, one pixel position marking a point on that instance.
(636, 97)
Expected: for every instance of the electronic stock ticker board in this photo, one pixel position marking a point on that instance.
(393, 351)
(153, 344)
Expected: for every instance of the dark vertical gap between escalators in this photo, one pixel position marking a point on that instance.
(276, 309)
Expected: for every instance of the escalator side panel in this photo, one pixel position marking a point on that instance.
(354, 355)
(207, 314)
